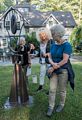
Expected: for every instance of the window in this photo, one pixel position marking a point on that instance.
(4, 42)
(50, 23)
(7, 25)
(24, 10)
(18, 25)
(0, 25)
(0, 43)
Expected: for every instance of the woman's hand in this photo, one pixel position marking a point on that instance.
(32, 46)
(55, 65)
(29, 64)
(45, 54)
(50, 70)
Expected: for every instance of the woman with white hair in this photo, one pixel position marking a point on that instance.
(23, 50)
(44, 36)
(60, 70)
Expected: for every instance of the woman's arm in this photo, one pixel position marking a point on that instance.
(55, 65)
(29, 60)
(65, 60)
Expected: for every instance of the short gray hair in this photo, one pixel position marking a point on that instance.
(58, 30)
(21, 39)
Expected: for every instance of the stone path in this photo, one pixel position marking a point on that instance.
(76, 58)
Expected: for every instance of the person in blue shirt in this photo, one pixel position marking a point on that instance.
(58, 71)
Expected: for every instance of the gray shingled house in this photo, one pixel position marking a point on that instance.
(33, 20)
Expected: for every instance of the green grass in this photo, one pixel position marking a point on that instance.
(73, 106)
(77, 53)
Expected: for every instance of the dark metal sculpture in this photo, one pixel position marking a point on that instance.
(18, 93)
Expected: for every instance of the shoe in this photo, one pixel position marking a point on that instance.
(40, 88)
(49, 112)
(59, 108)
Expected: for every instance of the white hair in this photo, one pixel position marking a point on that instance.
(20, 40)
(45, 30)
(58, 30)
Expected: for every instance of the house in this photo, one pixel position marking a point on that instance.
(60, 17)
(30, 20)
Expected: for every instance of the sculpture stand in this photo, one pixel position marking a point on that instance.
(19, 93)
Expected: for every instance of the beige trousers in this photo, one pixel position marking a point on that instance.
(55, 82)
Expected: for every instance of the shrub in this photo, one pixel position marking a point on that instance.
(76, 38)
(32, 39)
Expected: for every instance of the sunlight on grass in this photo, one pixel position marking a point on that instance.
(73, 107)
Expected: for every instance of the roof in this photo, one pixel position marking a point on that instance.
(65, 18)
(23, 5)
(35, 18)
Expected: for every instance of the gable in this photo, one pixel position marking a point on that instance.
(35, 18)
(65, 18)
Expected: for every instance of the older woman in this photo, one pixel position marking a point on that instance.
(59, 70)
(43, 35)
(23, 49)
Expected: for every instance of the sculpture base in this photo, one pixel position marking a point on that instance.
(29, 103)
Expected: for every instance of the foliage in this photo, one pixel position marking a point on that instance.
(32, 39)
(8, 3)
(76, 37)
(2, 7)
(73, 6)
(13, 42)
(5, 4)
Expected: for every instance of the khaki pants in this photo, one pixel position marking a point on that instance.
(61, 81)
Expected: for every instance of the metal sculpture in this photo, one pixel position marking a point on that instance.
(18, 93)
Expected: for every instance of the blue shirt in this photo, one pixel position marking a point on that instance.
(57, 51)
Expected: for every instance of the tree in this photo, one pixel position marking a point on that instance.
(28, 0)
(2, 7)
(76, 37)
(74, 6)
(8, 3)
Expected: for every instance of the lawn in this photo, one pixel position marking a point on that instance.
(73, 106)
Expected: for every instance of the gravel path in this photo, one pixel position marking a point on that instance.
(36, 61)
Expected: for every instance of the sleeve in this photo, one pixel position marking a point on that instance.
(48, 47)
(67, 49)
(16, 49)
(38, 55)
(29, 58)
(27, 47)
